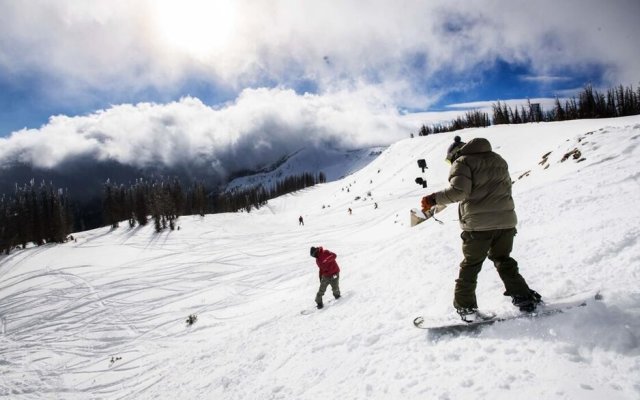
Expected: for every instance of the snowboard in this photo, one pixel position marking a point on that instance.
(327, 303)
(460, 326)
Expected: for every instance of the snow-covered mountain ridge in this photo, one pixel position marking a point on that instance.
(103, 317)
(334, 163)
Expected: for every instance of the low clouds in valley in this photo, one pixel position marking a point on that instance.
(255, 130)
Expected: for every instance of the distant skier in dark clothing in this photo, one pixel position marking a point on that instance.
(479, 180)
(329, 273)
(300, 221)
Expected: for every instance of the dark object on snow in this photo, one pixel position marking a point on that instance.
(575, 154)
(422, 164)
(191, 319)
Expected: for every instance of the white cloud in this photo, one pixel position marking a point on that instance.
(124, 46)
(545, 78)
(252, 131)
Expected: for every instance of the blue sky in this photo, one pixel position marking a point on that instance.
(503, 81)
(23, 103)
(379, 62)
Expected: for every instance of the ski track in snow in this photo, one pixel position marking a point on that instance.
(104, 317)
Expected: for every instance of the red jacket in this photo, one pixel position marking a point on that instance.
(326, 261)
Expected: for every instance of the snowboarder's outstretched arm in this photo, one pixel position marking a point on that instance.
(460, 184)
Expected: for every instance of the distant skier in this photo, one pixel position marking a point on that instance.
(300, 221)
(329, 273)
(350, 210)
(479, 180)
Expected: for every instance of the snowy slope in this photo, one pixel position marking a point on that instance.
(335, 164)
(104, 317)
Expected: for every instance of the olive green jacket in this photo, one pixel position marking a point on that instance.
(479, 180)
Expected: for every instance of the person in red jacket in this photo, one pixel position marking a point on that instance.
(329, 273)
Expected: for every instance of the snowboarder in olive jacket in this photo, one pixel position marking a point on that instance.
(329, 273)
(479, 181)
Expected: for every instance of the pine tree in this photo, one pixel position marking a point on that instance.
(611, 104)
(516, 117)
(559, 113)
(110, 205)
(620, 101)
(423, 131)
(141, 205)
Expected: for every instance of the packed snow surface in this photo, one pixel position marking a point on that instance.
(103, 317)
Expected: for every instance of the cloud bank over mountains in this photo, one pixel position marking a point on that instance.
(258, 128)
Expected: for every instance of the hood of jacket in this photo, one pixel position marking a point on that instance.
(479, 180)
(477, 145)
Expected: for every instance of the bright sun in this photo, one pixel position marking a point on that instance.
(200, 28)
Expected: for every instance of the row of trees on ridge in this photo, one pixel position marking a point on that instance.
(257, 196)
(616, 102)
(159, 201)
(42, 214)
(163, 202)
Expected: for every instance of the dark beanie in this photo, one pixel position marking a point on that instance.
(453, 150)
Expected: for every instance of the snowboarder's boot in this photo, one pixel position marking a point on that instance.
(467, 314)
(472, 315)
(527, 303)
(536, 297)
(337, 296)
(319, 305)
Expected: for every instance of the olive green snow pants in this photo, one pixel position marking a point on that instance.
(325, 281)
(476, 246)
